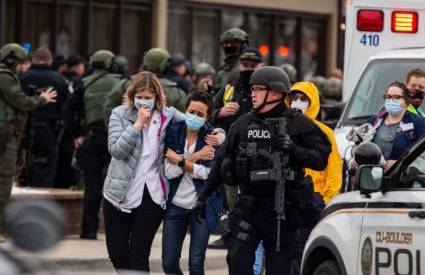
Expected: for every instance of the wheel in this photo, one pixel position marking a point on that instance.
(327, 268)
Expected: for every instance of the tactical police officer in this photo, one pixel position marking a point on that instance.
(233, 41)
(91, 140)
(265, 154)
(14, 105)
(204, 78)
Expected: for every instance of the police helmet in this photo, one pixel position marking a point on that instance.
(333, 87)
(367, 153)
(204, 69)
(234, 34)
(102, 59)
(120, 65)
(290, 71)
(156, 60)
(272, 77)
(320, 83)
(12, 52)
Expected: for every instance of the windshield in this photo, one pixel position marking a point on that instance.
(367, 96)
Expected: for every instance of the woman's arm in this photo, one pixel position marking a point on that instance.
(121, 141)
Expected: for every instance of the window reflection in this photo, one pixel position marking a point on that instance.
(179, 30)
(260, 27)
(102, 34)
(285, 41)
(205, 44)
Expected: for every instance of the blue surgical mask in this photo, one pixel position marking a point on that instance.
(150, 103)
(393, 106)
(194, 122)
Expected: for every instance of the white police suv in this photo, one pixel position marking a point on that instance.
(378, 230)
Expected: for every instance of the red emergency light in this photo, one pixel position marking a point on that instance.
(404, 21)
(370, 20)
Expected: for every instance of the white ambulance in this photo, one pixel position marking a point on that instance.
(384, 40)
(379, 230)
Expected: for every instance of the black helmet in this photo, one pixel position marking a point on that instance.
(272, 77)
(367, 153)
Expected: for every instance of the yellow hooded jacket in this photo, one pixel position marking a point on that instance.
(327, 182)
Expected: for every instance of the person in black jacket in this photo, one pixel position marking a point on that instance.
(45, 124)
(177, 71)
(245, 161)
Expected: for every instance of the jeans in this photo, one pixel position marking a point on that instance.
(129, 236)
(176, 222)
(259, 254)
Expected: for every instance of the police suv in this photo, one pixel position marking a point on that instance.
(377, 230)
(384, 40)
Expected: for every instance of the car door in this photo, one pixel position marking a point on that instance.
(393, 228)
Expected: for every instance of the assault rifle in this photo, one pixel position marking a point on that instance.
(278, 171)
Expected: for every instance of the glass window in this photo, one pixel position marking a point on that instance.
(37, 24)
(367, 96)
(414, 174)
(285, 41)
(135, 34)
(102, 27)
(70, 29)
(260, 29)
(179, 29)
(205, 33)
(10, 21)
(309, 51)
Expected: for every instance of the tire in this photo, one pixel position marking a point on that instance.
(327, 268)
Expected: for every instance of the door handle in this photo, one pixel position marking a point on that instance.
(417, 214)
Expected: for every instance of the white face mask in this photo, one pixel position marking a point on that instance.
(300, 105)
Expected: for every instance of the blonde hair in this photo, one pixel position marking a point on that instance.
(145, 81)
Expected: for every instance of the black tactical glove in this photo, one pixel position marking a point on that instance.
(200, 208)
(284, 143)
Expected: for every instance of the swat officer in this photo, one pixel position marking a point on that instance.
(204, 78)
(14, 105)
(233, 41)
(248, 161)
(157, 61)
(91, 137)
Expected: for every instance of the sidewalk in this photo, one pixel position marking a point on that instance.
(77, 256)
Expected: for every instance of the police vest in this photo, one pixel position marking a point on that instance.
(97, 86)
(7, 111)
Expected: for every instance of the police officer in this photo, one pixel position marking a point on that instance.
(44, 130)
(14, 105)
(91, 140)
(177, 71)
(252, 140)
(204, 78)
(157, 61)
(233, 41)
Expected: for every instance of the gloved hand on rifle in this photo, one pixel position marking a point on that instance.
(284, 143)
(200, 208)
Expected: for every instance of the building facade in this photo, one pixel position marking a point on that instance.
(303, 32)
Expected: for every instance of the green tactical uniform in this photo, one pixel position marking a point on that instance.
(14, 105)
(115, 98)
(227, 73)
(98, 86)
(175, 96)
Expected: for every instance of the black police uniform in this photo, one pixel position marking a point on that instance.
(254, 217)
(45, 124)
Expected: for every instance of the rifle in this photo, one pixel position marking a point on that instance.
(279, 172)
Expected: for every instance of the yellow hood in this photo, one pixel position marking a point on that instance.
(310, 90)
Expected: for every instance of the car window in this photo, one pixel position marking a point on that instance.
(414, 175)
(367, 96)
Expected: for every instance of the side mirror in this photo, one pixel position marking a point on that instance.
(369, 178)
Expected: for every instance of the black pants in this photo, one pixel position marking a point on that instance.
(93, 159)
(66, 175)
(129, 236)
(249, 224)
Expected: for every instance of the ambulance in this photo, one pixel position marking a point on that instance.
(384, 40)
(377, 230)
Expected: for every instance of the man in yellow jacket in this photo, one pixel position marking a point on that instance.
(304, 96)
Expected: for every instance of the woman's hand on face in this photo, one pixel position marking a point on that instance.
(206, 153)
(143, 116)
(172, 156)
(215, 138)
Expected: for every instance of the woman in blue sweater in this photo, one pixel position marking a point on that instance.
(188, 162)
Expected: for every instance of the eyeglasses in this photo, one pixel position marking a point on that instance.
(396, 97)
(257, 89)
(294, 97)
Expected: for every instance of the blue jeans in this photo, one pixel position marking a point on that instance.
(176, 222)
(259, 253)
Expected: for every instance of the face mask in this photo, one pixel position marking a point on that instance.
(245, 76)
(393, 106)
(229, 51)
(138, 103)
(194, 122)
(300, 105)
